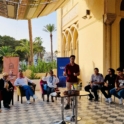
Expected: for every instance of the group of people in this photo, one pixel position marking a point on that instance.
(112, 85)
(7, 88)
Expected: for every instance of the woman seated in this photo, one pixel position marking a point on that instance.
(51, 80)
(23, 82)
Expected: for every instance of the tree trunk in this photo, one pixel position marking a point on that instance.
(51, 36)
(31, 41)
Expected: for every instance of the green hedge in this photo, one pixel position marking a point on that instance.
(42, 67)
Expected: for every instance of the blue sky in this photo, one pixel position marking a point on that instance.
(19, 29)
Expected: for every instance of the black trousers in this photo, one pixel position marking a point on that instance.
(93, 89)
(49, 91)
(104, 89)
(7, 97)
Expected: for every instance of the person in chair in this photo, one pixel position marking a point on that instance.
(7, 90)
(118, 91)
(23, 82)
(52, 81)
(95, 84)
(109, 83)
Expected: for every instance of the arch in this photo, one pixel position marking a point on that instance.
(64, 43)
(122, 5)
(68, 37)
(75, 35)
(117, 6)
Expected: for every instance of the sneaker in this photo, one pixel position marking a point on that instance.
(28, 102)
(35, 97)
(52, 100)
(110, 100)
(120, 101)
(106, 99)
(67, 106)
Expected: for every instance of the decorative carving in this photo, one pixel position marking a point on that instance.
(71, 14)
(109, 18)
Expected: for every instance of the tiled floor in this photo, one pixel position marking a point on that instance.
(45, 113)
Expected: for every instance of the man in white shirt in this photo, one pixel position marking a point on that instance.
(51, 80)
(23, 82)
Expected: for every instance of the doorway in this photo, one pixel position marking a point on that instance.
(122, 43)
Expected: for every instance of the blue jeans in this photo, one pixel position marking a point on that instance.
(119, 94)
(28, 91)
(50, 90)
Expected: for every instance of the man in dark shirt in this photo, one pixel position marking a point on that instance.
(109, 83)
(71, 71)
(118, 91)
(7, 90)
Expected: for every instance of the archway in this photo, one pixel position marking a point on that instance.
(122, 43)
(64, 44)
(122, 6)
(74, 41)
(68, 42)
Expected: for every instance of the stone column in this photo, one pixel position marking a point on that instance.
(108, 20)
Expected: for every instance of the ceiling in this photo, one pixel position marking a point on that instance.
(28, 9)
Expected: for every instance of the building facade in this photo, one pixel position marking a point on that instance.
(47, 57)
(93, 30)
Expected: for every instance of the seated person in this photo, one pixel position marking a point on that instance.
(118, 91)
(95, 84)
(109, 83)
(23, 82)
(51, 80)
(7, 90)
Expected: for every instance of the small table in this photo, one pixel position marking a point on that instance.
(75, 107)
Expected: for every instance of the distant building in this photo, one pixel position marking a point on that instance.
(35, 59)
(47, 57)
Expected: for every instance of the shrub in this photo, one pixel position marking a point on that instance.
(42, 67)
(23, 67)
(33, 76)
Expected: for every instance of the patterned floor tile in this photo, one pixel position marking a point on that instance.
(40, 112)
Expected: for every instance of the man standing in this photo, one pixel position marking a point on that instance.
(118, 91)
(109, 83)
(7, 90)
(95, 84)
(71, 71)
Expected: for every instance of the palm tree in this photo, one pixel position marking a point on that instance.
(50, 28)
(25, 47)
(4, 50)
(7, 51)
(38, 48)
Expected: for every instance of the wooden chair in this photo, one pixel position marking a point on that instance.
(43, 91)
(21, 92)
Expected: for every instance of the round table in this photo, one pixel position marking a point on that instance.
(74, 110)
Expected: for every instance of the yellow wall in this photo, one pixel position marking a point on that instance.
(91, 39)
(90, 34)
(97, 39)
